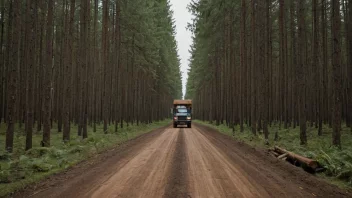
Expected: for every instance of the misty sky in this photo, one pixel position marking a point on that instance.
(183, 36)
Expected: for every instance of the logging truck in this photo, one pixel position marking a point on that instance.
(182, 113)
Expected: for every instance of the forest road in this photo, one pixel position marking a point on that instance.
(183, 162)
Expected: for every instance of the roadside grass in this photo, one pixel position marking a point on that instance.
(337, 162)
(22, 168)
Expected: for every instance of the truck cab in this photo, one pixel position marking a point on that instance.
(182, 113)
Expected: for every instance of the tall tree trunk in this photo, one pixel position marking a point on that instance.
(350, 61)
(316, 65)
(82, 66)
(243, 62)
(2, 63)
(14, 38)
(293, 64)
(336, 72)
(68, 71)
(29, 55)
(118, 54)
(86, 20)
(22, 77)
(48, 71)
(41, 66)
(61, 82)
(105, 56)
(282, 62)
(253, 71)
(265, 89)
(96, 65)
(324, 48)
(301, 71)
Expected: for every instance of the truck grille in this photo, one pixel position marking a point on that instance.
(182, 118)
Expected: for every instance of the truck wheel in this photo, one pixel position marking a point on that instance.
(175, 125)
(189, 125)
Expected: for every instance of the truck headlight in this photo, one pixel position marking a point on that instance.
(188, 118)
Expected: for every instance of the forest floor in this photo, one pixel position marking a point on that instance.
(21, 168)
(183, 162)
(338, 162)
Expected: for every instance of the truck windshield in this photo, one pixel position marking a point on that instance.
(182, 111)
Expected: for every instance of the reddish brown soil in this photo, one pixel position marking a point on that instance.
(182, 162)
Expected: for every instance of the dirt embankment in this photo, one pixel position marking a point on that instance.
(182, 162)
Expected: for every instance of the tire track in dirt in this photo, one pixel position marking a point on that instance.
(145, 175)
(213, 174)
(177, 185)
(251, 167)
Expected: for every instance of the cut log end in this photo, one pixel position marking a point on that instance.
(282, 156)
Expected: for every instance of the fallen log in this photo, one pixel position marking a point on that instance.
(282, 156)
(272, 154)
(302, 160)
(275, 154)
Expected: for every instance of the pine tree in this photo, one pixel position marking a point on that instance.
(48, 72)
(336, 74)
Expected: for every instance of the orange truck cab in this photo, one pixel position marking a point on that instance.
(182, 113)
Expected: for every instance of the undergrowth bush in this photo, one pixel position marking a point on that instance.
(4, 155)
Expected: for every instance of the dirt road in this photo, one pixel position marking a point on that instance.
(182, 162)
